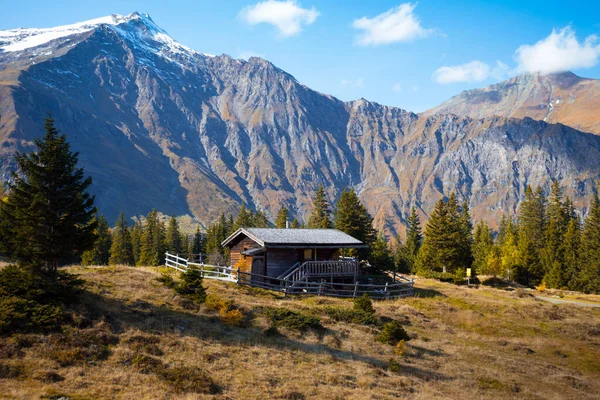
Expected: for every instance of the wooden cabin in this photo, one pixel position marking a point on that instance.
(294, 254)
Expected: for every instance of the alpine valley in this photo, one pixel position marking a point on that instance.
(159, 125)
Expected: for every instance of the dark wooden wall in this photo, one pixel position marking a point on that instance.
(235, 253)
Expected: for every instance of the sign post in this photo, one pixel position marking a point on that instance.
(468, 276)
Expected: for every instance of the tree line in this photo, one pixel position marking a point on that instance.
(547, 243)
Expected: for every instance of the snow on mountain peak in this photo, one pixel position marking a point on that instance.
(20, 39)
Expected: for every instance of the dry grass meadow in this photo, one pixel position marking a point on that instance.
(466, 343)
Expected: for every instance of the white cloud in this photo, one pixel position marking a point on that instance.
(288, 16)
(398, 24)
(558, 52)
(355, 83)
(473, 71)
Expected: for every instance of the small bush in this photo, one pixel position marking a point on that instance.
(231, 317)
(189, 380)
(282, 317)
(364, 304)
(400, 348)
(541, 287)
(392, 333)
(394, 366)
(350, 315)
(22, 315)
(191, 286)
(217, 303)
(144, 344)
(166, 279)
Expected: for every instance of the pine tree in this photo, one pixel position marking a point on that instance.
(401, 257)
(482, 248)
(136, 242)
(244, 218)
(260, 220)
(320, 214)
(465, 227)
(381, 257)
(282, 218)
(509, 254)
(174, 242)
(352, 217)
(49, 211)
(572, 256)
(100, 252)
(414, 239)
(199, 244)
(152, 251)
(121, 252)
(442, 244)
(295, 224)
(589, 278)
(532, 215)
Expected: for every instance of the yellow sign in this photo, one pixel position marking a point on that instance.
(469, 272)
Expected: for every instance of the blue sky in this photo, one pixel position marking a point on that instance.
(409, 55)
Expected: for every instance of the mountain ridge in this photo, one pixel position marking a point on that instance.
(196, 134)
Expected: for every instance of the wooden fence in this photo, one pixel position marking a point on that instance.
(400, 287)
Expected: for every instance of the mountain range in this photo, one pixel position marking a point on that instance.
(159, 125)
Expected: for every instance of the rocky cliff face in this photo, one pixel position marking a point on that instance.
(159, 125)
(556, 98)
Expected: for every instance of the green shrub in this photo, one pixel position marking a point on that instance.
(364, 304)
(282, 317)
(166, 279)
(392, 333)
(394, 366)
(22, 315)
(191, 286)
(350, 315)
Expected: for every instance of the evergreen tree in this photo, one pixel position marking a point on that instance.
(414, 238)
(295, 224)
(4, 232)
(100, 252)
(174, 242)
(465, 227)
(402, 260)
(121, 252)
(572, 257)
(244, 218)
(49, 212)
(136, 242)
(153, 250)
(199, 245)
(282, 218)
(482, 248)
(532, 215)
(509, 255)
(320, 215)
(352, 217)
(260, 220)
(216, 234)
(589, 278)
(442, 243)
(381, 257)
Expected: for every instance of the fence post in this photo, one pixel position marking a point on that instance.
(386, 291)
(238, 276)
(320, 286)
(355, 289)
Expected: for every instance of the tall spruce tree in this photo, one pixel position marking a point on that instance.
(572, 257)
(320, 216)
(174, 241)
(414, 238)
(381, 257)
(352, 217)
(589, 278)
(532, 239)
(121, 252)
(244, 219)
(260, 220)
(282, 218)
(295, 224)
(198, 243)
(465, 226)
(152, 252)
(100, 252)
(49, 211)
(136, 241)
(442, 244)
(483, 244)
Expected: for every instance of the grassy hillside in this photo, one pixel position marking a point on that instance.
(137, 339)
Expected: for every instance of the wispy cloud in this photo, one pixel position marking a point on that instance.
(287, 16)
(354, 83)
(558, 52)
(473, 71)
(397, 87)
(398, 24)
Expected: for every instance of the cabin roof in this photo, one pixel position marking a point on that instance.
(269, 237)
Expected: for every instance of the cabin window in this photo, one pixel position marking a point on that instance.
(308, 254)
